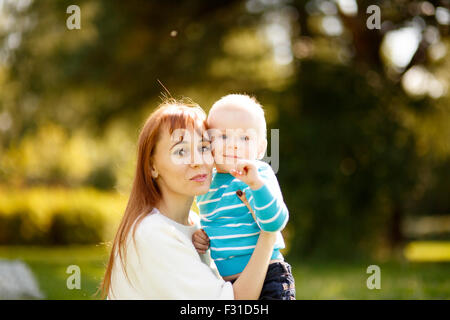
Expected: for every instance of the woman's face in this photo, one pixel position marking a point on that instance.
(182, 163)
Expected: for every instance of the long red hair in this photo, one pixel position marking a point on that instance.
(145, 194)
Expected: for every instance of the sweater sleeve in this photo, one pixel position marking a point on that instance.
(170, 268)
(267, 202)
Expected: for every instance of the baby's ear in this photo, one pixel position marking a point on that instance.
(262, 149)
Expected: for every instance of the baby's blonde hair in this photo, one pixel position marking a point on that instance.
(242, 100)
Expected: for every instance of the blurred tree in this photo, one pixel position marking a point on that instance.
(348, 163)
(351, 159)
(109, 68)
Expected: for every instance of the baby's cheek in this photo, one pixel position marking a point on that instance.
(218, 158)
(218, 152)
(250, 152)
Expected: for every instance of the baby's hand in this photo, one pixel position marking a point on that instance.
(247, 172)
(201, 241)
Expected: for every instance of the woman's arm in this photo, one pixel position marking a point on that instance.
(168, 268)
(250, 282)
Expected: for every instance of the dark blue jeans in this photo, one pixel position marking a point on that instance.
(279, 283)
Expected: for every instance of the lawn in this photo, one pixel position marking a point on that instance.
(399, 280)
(314, 280)
(49, 265)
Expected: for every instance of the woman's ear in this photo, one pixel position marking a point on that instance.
(154, 171)
(262, 149)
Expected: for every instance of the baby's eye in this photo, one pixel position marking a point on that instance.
(223, 136)
(245, 138)
(205, 148)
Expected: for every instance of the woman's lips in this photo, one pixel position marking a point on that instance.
(199, 178)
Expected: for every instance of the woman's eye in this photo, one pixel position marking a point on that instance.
(180, 152)
(223, 136)
(246, 138)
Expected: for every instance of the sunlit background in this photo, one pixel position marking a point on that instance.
(363, 116)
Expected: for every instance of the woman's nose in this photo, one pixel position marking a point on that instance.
(200, 159)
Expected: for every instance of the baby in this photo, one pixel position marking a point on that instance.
(244, 197)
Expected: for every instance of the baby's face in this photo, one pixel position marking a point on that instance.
(235, 134)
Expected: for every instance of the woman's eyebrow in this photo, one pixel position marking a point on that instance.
(179, 142)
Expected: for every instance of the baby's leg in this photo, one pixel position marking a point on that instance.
(279, 283)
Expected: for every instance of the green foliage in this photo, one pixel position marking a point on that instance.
(53, 156)
(102, 178)
(58, 217)
(76, 227)
(348, 164)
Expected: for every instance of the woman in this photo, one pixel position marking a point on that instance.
(152, 256)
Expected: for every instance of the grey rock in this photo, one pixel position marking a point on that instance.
(17, 281)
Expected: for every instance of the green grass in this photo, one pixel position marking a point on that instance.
(399, 280)
(49, 265)
(314, 280)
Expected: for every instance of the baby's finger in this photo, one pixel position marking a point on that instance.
(200, 239)
(204, 235)
(242, 166)
(199, 242)
(200, 246)
(236, 173)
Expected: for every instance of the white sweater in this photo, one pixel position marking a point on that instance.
(166, 265)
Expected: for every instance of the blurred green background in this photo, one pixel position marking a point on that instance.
(363, 116)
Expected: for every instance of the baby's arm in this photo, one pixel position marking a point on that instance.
(264, 196)
(201, 241)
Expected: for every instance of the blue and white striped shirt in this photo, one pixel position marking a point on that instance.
(229, 224)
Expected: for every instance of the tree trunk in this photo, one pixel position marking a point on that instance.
(395, 233)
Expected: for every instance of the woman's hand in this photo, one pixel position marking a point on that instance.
(201, 241)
